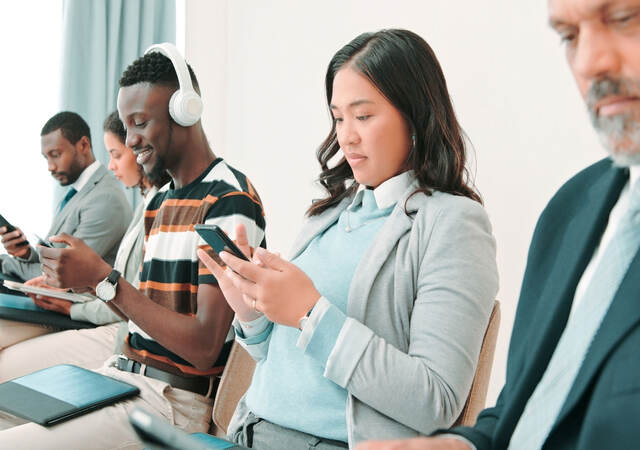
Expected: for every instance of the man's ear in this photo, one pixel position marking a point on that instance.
(84, 146)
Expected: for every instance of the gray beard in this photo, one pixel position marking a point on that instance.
(619, 134)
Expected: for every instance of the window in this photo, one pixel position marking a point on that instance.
(32, 34)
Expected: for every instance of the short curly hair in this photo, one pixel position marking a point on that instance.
(72, 126)
(154, 68)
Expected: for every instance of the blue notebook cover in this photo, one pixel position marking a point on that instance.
(22, 309)
(58, 393)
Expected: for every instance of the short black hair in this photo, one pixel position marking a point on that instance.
(154, 68)
(114, 125)
(72, 126)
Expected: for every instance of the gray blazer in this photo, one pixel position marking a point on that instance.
(98, 214)
(418, 307)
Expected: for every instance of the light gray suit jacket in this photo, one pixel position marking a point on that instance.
(99, 214)
(418, 307)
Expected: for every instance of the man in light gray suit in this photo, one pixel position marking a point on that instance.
(94, 209)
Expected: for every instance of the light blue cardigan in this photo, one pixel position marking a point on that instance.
(418, 307)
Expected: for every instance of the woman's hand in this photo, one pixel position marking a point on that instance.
(243, 307)
(282, 291)
(50, 303)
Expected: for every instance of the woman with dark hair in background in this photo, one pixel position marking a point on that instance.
(374, 328)
(90, 347)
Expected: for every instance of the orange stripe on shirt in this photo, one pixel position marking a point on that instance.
(185, 369)
(189, 202)
(253, 199)
(171, 229)
(168, 287)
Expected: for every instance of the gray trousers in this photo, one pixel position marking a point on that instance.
(260, 434)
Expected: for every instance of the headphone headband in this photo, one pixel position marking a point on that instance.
(179, 64)
(185, 105)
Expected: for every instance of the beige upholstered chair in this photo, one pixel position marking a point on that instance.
(240, 366)
(478, 394)
(235, 381)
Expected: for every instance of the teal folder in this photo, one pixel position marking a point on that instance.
(22, 309)
(61, 392)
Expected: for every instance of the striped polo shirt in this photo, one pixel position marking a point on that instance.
(171, 271)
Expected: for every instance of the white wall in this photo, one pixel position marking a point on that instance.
(261, 66)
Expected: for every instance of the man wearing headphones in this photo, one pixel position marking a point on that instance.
(179, 321)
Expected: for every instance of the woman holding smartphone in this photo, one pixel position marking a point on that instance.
(374, 327)
(89, 348)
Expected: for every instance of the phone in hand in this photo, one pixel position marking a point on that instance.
(44, 242)
(218, 240)
(5, 223)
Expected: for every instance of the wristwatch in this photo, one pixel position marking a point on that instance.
(106, 289)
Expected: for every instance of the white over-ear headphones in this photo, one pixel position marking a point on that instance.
(185, 106)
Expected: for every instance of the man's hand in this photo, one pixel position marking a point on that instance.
(415, 444)
(15, 243)
(77, 266)
(52, 304)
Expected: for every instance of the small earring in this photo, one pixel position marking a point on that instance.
(413, 140)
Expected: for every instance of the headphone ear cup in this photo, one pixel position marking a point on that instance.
(185, 107)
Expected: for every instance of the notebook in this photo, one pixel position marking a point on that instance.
(58, 393)
(157, 434)
(22, 309)
(40, 290)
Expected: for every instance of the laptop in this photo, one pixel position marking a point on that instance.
(157, 434)
(58, 393)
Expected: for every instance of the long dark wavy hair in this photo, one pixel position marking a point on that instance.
(402, 66)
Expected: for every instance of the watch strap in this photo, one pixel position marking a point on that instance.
(113, 277)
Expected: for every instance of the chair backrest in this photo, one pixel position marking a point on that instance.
(478, 393)
(239, 369)
(235, 381)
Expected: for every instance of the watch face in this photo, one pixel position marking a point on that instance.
(105, 290)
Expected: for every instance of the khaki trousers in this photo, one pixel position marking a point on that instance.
(12, 332)
(88, 348)
(108, 428)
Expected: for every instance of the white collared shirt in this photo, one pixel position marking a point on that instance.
(387, 193)
(85, 175)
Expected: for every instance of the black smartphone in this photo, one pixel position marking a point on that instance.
(5, 223)
(44, 242)
(218, 240)
(158, 434)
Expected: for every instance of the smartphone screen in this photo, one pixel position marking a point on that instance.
(218, 240)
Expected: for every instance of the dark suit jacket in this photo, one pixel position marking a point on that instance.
(602, 409)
